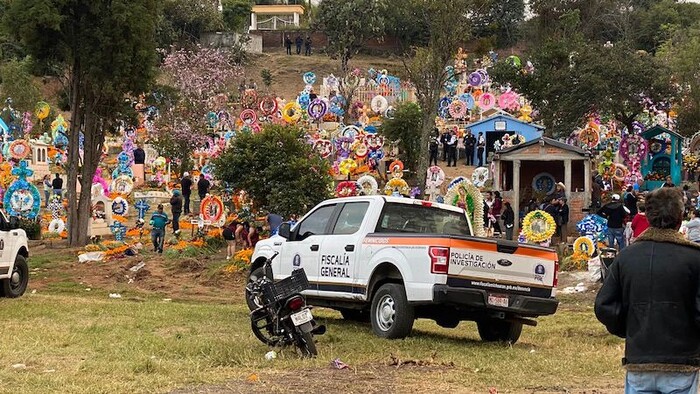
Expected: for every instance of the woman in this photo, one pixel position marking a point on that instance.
(242, 235)
(496, 208)
(640, 222)
(508, 217)
(47, 189)
(693, 226)
(254, 236)
(229, 234)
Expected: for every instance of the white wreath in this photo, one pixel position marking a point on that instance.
(57, 226)
(480, 176)
(379, 104)
(370, 182)
(126, 181)
(435, 177)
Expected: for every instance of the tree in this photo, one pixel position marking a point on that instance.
(426, 67)
(573, 79)
(682, 54)
(236, 14)
(348, 25)
(106, 51)
(18, 83)
(405, 127)
(267, 78)
(182, 22)
(277, 168)
(198, 75)
(500, 20)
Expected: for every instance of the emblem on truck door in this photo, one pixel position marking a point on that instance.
(504, 262)
(297, 260)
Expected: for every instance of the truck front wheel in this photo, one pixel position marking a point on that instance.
(391, 315)
(16, 284)
(497, 330)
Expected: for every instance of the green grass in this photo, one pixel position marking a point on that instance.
(100, 345)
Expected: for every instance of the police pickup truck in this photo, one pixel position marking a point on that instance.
(391, 260)
(14, 271)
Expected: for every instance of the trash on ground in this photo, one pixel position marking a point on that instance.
(91, 256)
(115, 295)
(271, 355)
(337, 364)
(19, 366)
(137, 267)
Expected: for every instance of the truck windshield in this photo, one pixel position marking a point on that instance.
(405, 218)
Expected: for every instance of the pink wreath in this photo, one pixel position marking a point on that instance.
(633, 148)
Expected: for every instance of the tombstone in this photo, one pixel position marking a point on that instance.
(39, 161)
(118, 229)
(101, 217)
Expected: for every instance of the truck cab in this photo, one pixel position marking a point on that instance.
(14, 252)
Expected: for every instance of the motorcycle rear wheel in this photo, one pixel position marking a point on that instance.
(305, 343)
(262, 327)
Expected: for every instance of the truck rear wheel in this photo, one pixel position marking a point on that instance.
(497, 330)
(16, 284)
(391, 315)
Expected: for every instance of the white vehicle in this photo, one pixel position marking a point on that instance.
(392, 260)
(14, 271)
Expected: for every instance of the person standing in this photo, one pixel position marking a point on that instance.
(229, 235)
(158, 221)
(254, 236)
(669, 182)
(307, 46)
(288, 44)
(57, 185)
(176, 210)
(615, 212)
(480, 148)
(274, 221)
(650, 298)
(299, 41)
(596, 193)
(46, 182)
(444, 139)
(203, 186)
(563, 219)
(693, 226)
(469, 145)
(186, 185)
(433, 147)
(508, 217)
(139, 161)
(640, 222)
(452, 149)
(630, 200)
(552, 208)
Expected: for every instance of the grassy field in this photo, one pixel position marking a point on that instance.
(71, 340)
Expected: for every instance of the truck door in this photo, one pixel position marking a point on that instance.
(304, 250)
(340, 253)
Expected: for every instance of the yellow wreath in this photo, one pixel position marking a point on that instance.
(584, 245)
(399, 184)
(533, 226)
(346, 166)
(291, 113)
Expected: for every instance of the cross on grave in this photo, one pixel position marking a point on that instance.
(200, 222)
(118, 229)
(142, 207)
(23, 171)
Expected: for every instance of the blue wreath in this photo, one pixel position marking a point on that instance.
(19, 185)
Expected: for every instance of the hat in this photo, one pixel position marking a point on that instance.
(186, 173)
(616, 197)
(561, 184)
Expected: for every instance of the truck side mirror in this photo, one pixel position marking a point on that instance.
(285, 230)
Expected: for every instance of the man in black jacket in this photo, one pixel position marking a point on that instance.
(444, 139)
(186, 184)
(469, 145)
(651, 298)
(615, 212)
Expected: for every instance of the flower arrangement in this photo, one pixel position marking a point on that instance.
(473, 202)
(690, 162)
(538, 226)
(397, 184)
(346, 189)
(655, 176)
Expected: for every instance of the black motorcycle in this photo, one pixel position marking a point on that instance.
(283, 318)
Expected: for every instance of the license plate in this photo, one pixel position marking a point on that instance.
(302, 317)
(498, 300)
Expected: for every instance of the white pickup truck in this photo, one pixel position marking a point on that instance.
(14, 271)
(392, 260)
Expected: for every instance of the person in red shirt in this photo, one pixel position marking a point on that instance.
(639, 223)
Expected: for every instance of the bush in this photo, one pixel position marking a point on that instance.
(31, 227)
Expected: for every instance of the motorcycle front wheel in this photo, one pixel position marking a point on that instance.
(263, 328)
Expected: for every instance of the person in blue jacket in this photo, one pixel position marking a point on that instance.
(159, 220)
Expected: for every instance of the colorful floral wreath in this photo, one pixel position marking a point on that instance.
(212, 208)
(120, 206)
(397, 184)
(19, 149)
(584, 245)
(396, 168)
(368, 184)
(434, 178)
(457, 109)
(593, 226)
(480, 176)
(532, 226)
(346, 189)
(379, 104)
(347, 166)
(291, 112)
(633, 148)
(474, 202)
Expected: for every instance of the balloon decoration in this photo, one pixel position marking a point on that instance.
(22, 198)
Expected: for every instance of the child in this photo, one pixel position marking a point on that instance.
(159, 220)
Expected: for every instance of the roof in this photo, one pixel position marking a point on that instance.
(277, 9)
(548, 141)
(658, 129)
(392, 199)
(508, 117)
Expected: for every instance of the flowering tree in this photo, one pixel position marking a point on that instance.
(198, 75)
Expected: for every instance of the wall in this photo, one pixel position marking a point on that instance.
(219, 39)
(273, 40)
